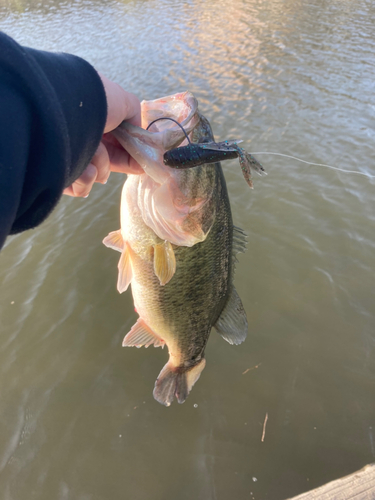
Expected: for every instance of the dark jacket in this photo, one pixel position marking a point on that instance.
(52, 115)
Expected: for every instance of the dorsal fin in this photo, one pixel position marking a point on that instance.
(239, 240)
(232, 322)
(239, 245)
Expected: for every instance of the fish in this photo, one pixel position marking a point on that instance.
(178, 246)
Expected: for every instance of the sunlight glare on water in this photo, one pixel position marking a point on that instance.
(77, 416)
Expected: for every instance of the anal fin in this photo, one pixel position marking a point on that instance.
(232, 323)
(164, 262)
(141, 335)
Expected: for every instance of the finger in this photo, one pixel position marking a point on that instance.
(121, 161)
(121, 105)
(101, 161)
(131, 108)
(82, 186)
(69, 191)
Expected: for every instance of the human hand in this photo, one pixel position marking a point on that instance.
(110, 156)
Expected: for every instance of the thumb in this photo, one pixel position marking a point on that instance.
(121, 105)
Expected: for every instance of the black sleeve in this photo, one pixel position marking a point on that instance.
(52, 115)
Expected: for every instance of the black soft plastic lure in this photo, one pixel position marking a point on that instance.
(196, 154)
(193, 155)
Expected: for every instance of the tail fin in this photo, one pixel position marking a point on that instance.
(173, 382)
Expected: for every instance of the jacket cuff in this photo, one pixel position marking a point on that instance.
(81, 95)
(62, 113)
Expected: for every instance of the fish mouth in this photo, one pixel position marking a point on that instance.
(164, 197)
(147, 146)
(182, 107)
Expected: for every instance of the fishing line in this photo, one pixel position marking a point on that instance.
(317, 164)
(173, 120)
(271, 153)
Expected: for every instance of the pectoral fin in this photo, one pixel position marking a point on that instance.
(125, 272)
(114, 240)
(164, 262)
(232, 323)
(142, 335)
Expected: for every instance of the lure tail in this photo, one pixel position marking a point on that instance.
(249, 163)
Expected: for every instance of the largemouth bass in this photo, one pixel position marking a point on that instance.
(178, 247)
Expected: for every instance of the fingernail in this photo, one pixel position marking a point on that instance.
(86, 196)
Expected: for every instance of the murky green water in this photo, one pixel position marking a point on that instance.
(77, 417)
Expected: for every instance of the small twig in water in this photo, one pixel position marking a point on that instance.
(253, 368)
(264, 427)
